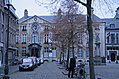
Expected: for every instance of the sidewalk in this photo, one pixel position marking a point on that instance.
(63, 70)
(108, 71)
(12, 69)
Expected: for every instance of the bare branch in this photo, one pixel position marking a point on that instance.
(81, 2)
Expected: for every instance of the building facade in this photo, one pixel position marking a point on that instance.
(34, 39)
(112, 38)
(31, 39)
(7, 15)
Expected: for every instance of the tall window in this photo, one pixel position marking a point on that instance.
(107, 39)
(2, 33)
(23, 28)
(46, 38)
(24, 38)
(45, 54)
(17, 28)
(17, 38)
(112, 38)
(23, 51)
(87, 52)
(117, 38)
(80, 53)
(16, 54)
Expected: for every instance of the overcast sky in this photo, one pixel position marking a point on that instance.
(31, 6)
(34, 9)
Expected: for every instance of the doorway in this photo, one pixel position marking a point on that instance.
(113, 56)
(34, 52)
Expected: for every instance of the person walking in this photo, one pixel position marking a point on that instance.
(72, 66)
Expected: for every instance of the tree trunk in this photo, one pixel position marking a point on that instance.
(90, 31)
(60, 58)
(68, 56)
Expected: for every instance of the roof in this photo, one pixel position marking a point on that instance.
(51, 18)
(47, 18)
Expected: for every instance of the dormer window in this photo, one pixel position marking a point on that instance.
(112, 25)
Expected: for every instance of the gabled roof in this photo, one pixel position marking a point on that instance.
(46, 18)
(23, 19)
(51, 18)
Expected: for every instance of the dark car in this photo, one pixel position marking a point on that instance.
(15, 62)
(27, 64)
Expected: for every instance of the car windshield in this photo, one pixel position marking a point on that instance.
(27, 60)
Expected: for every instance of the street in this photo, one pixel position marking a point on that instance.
(52, 70)
(48, 70)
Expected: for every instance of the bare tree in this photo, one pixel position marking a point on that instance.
(88, 5)
(69, 25)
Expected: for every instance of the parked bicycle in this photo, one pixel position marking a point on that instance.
(80, 71)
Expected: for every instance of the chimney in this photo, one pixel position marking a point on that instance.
(25, 13)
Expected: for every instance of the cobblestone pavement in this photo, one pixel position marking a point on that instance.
(45, 71)
(108, 71)
(53, 70)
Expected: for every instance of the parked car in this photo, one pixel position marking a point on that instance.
(15, 62)
(41, 60)
(34, 60)
(38, 61)
(27, 64)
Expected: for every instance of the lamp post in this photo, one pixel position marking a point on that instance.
(6, 68)
(34, 45)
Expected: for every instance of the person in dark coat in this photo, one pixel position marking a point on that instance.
(72, 67)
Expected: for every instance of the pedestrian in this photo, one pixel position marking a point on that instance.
(72, 66)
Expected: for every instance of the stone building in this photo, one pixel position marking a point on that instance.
(31, 39)
(112, 37)
(5, 15)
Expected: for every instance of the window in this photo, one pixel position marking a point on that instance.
(107, 39)
(46, 38)
(117, 38)
(24, 38)
(112, 25)
(23, 51)
(2, 33)
(87, 52)
(112, 38)
(45, 52)
(17, 28)
(46, 27)
(16, 54)
(23, 28)
(80, 53)
(17, 38)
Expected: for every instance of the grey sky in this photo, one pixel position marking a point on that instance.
(34, 9)
(31, 6)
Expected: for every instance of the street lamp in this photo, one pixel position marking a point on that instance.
(6, 68)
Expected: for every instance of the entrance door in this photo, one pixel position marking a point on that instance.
(112, 56)
(34, 52)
